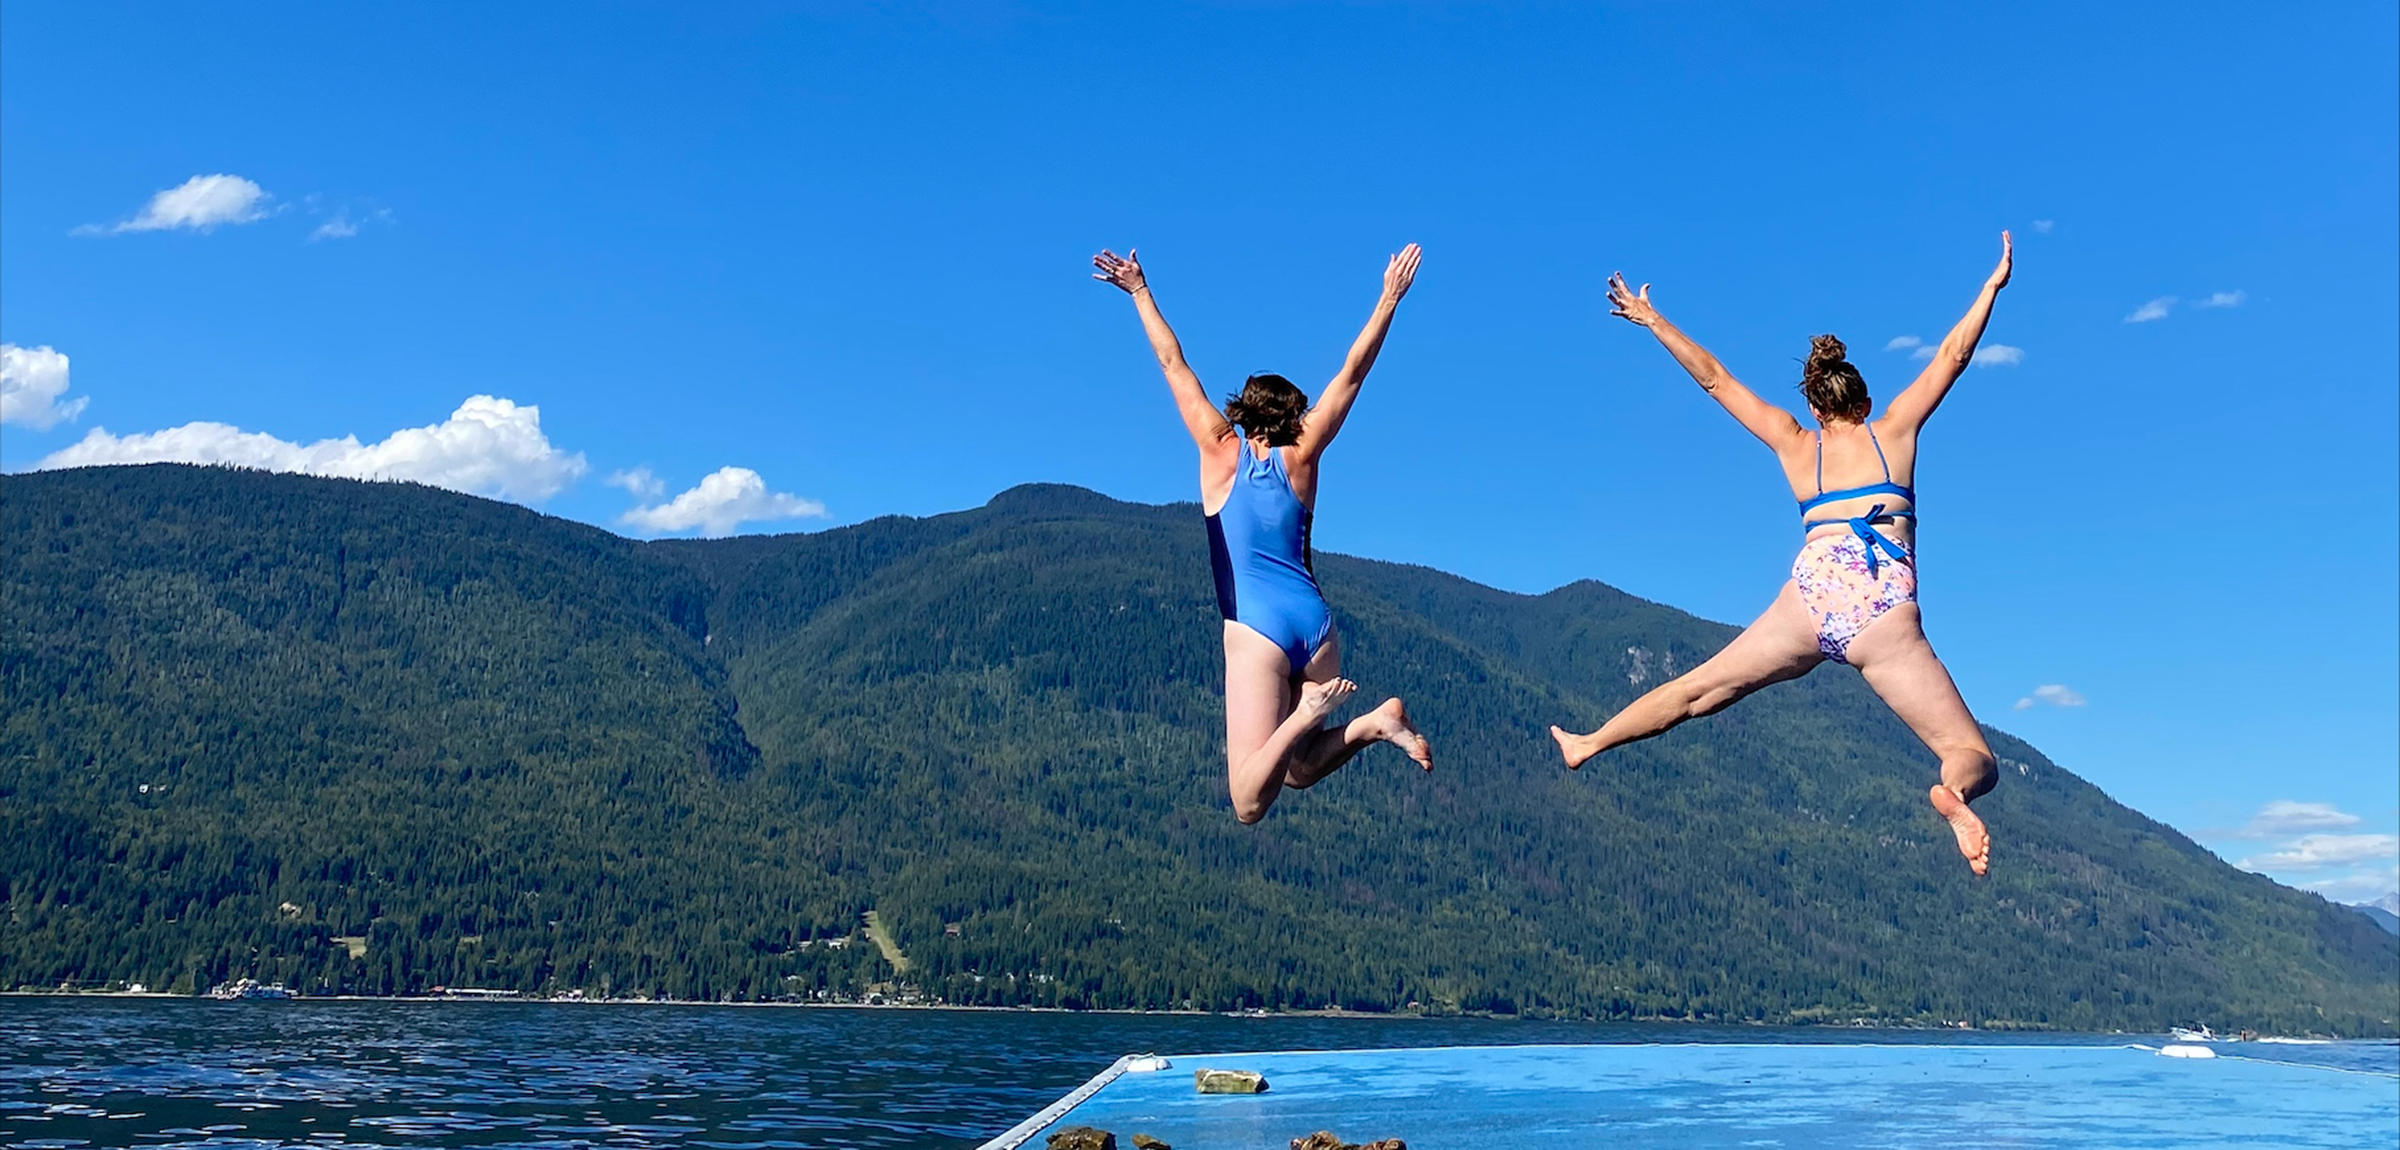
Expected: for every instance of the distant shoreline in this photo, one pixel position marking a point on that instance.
(1402, 1015)
(1397, 1015)
(558, 1001)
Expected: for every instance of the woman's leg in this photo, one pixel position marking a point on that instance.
(1263, 722)
(1322, 752)
(1780, 645)
(1899, 663)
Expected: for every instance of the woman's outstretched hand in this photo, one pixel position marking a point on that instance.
(1125, 273)
(1400, 273)
(2008, 262)
(1633, 305)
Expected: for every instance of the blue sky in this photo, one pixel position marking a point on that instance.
(842, 253)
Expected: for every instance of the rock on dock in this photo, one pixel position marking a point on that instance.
(1229, 1081)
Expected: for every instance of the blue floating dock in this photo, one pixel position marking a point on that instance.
(1711, 1095)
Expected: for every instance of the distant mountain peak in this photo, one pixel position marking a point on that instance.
(1058, 499)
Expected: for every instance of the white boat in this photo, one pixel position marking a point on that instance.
(2203, 1034)
(248, 988)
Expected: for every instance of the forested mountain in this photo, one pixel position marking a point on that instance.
(378, 738)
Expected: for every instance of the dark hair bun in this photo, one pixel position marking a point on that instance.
(1824, 351)
(1832, 385)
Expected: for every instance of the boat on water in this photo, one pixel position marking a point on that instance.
(2188, 1034)
(475, 994)
(1815, 1094)
(249, 988)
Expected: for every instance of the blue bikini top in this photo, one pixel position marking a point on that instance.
(1863, 525)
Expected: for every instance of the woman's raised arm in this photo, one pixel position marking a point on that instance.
(1333, 406)
(1200, 417)
(1909, 410)
(1771, 424)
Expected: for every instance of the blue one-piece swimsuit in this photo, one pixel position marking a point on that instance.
(1258, 545)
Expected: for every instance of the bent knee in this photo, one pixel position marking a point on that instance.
(1248, 814)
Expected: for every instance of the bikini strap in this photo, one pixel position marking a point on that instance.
(1887, 464)
(1821, 461)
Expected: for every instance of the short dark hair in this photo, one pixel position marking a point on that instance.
(1832, 386)
(1269, 406)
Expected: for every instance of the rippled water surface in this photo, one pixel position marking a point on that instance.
(158, 1072)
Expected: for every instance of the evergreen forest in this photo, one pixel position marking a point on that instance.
(374, 738)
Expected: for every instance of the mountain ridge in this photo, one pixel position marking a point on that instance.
(504, 749)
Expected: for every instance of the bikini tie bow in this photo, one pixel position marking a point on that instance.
(1871, 539)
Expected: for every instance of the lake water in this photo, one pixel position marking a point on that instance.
(158, 1072)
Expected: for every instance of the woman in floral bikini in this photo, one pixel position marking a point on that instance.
(1853, 594)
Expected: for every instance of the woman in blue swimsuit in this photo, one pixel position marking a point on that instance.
(1853, 594)
(1258, 481)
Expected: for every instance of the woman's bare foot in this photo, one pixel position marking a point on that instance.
(1576, 748)
(1389, 723)
(1973, 842)
(1317, 700)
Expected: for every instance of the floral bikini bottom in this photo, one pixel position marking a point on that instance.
(1845, 588)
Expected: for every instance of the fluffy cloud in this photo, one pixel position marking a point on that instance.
(200, 204)
(2359, 886)
(723, 501)
(2158, 309)
(1988, 355)
(2306, 852)
(31, 380)
(2055, 694)
(1998, 355)
(644, 485)
(2155, 309)
(2318, 852)
(488, 446)
(2285, 817)
(344, 225)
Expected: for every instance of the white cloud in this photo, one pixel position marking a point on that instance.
(1902, 343)
(31, 380)
(2317, 852)
(2358, 886)
(2284, 817)
(343, 225)
(2158, 308)
(488, 446)
(200, 204)
(644, 485)
(2155, 309)
(1998, 355)
(2349, 867)
(1989, 355)
(723, 501)
(2055, 694)
(2044, 226)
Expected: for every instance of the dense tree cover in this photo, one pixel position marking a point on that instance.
(378, 738)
